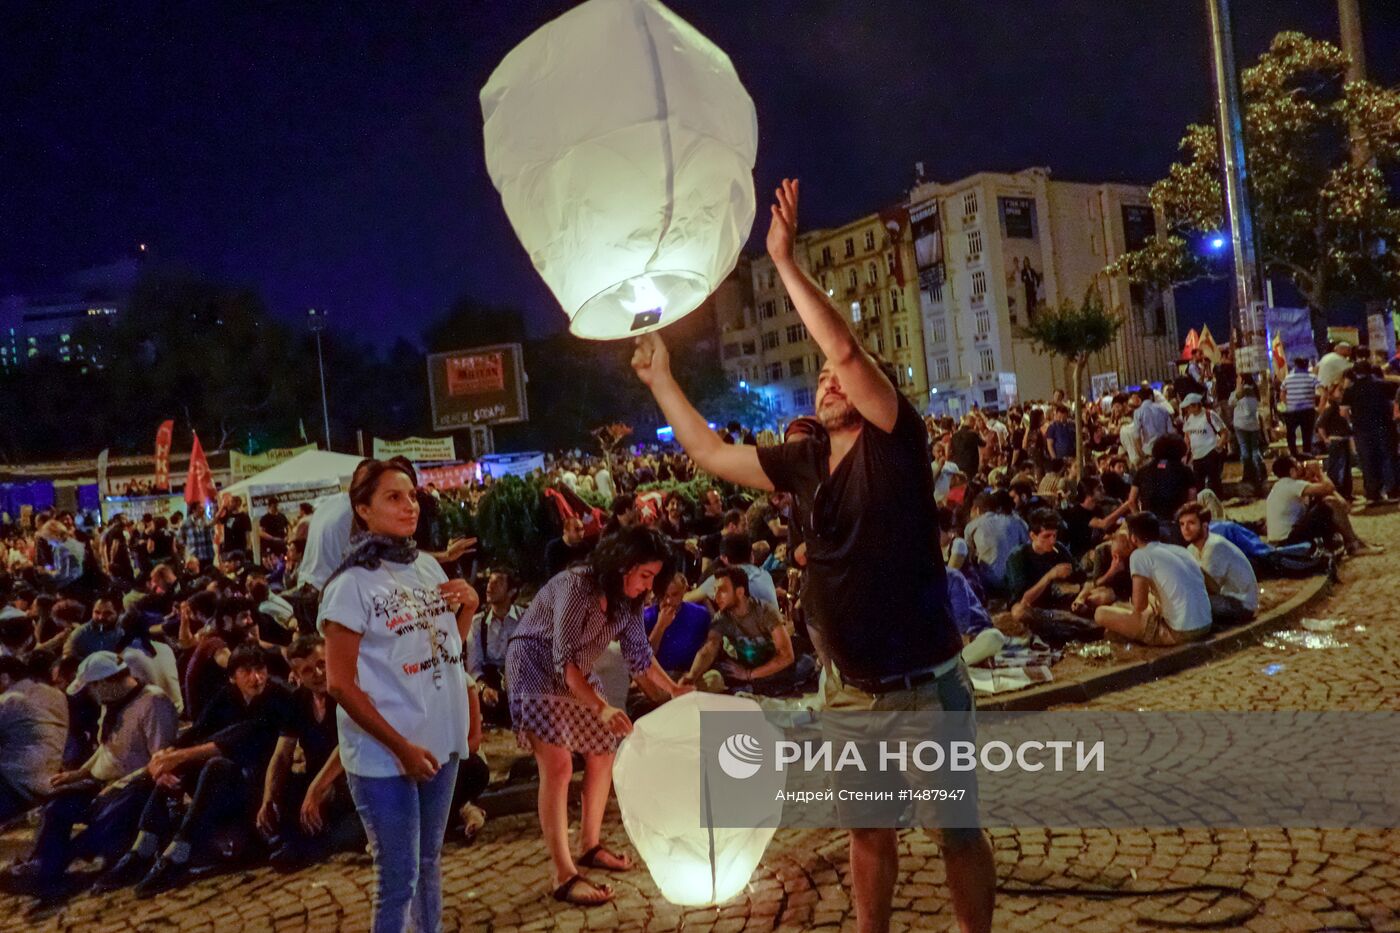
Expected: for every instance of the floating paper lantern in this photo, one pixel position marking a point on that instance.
(623, 144)
(662, 793)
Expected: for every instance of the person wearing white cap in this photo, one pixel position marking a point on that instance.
(1209, 440)
(137, 721)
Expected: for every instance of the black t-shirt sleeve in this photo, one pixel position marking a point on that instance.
(786, 465)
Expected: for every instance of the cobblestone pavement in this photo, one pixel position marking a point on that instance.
(1286, 879)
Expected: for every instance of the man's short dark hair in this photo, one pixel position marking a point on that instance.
(304, 646)
(736, 548)
(1194, 508)
(737, 578)
(1144, 526)
(623, 503)
(1043, 520)
(733, 517)
(1168, 447)
(1088, 487)
(1023, 487)
(1145, 392)
(204, 604)
(246, 656)
(1283, 467)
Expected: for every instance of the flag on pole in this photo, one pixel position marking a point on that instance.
(1191, 341)
(1206, 344)
(163, 437)
(199, 484)
(102, 472)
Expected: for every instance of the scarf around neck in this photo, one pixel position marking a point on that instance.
(370, 550)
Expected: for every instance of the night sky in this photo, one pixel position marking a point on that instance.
(330, 155)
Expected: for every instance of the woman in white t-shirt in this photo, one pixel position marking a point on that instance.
(394, 627)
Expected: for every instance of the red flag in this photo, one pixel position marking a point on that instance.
(1192, 340)
(163, 434)
(199, 484)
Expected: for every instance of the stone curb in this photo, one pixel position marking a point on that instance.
(1169, 662)
(518, 798)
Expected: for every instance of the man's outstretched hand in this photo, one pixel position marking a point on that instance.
(782, 230)
(651, 361)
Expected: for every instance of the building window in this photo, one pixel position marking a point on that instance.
(796, 333)
(938, 332)
(940, 368)
(979, 286)
(974, 245)
(970, 204)
(770, 340)
(731, 349)
(768, 310)
(869, 240)
(826, 255)
(889, 263)
(880, 343)
(984, 322)
(855, 312)
(873, 303)
(787, 305)
(802, 399)
(797, 367)
(852, 279)
(775, 372)
(898, 337)
(986, 361)
(935, 293)
(850, 247)
(749, 348)
(872, 273)
(894, 301)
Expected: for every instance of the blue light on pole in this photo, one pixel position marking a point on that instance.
(1217, 242)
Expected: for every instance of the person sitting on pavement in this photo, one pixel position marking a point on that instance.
(217, 762)
(1170, 604)
(676, 629)
(1161, 486)
(1036, 568)
(1304, 506)
(137, 722)
(736, 551)
(994, 533)
(1109, 581)
(759, 654)
(486, 645)
(308, 815)
(1230, 580)
(33, 731)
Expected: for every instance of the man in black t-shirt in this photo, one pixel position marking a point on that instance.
(272, 530)
(1036, 570)
(235, 527)
(876, 597)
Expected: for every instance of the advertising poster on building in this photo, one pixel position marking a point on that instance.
(1025, 264)
(478, 386)
(927, 229)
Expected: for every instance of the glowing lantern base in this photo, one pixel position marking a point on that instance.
(663, 797)
(639, 304)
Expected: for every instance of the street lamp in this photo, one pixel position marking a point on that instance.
(317, 321)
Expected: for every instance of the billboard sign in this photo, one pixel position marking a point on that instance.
(478, 386)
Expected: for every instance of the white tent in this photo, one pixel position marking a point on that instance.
(313, 466)
(307, 477)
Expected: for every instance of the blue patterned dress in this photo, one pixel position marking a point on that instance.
(564, 625)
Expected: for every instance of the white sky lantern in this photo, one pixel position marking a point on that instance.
(657, 775)
(623, 144)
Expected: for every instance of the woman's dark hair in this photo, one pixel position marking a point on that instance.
(366, 480)
(619, 552)
(136, 630)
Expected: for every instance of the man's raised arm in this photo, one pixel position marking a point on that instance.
(861, 379)
(737, 463)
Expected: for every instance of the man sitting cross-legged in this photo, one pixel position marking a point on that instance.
(1230, 580)
(1034, 570)
(761, 657)
(1170, 604)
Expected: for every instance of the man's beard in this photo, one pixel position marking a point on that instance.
(838, 416)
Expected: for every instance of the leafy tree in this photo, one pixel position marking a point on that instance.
(1074, 333)
(1321, 219)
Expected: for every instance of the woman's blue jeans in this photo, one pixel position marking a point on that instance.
(405, 822)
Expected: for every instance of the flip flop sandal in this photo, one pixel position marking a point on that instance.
(589, 859)
(563, 892)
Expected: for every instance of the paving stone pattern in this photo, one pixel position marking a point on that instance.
(1277, 880)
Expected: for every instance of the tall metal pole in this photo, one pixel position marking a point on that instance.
(1252, 356)
(318, 324)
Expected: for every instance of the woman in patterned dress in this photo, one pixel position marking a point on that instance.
(556, 701)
